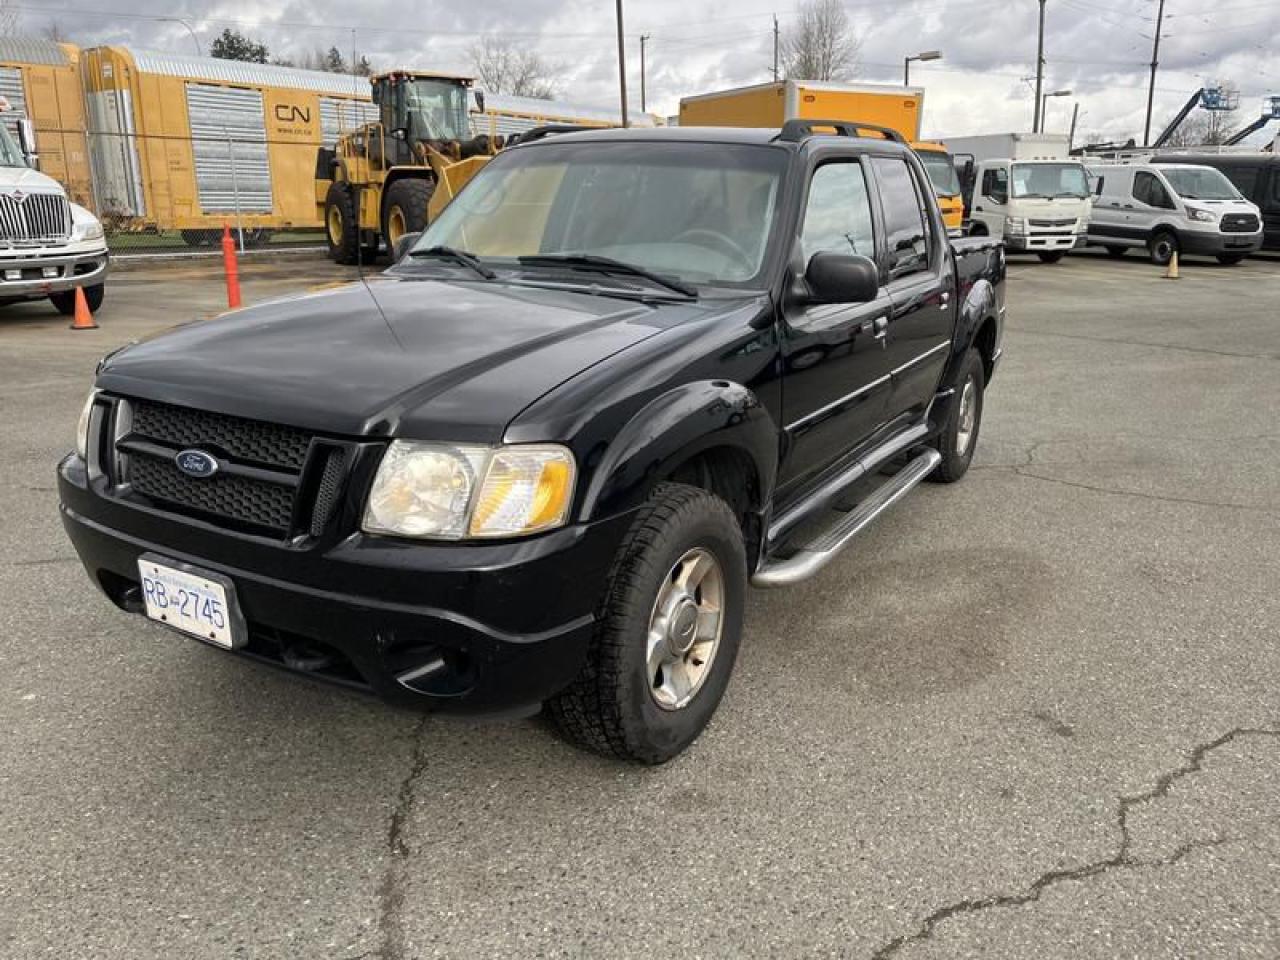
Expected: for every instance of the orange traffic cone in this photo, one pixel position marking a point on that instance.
(1172, 272)
(83, 319)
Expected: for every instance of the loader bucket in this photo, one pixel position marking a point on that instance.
(451, 179)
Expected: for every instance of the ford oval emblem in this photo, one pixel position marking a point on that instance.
(196, 463)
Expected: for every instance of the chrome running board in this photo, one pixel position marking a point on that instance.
(812, 557)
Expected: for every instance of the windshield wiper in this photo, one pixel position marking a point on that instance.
(591, 261)
(470, 260)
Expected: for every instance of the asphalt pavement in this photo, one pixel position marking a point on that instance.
(1032, 715)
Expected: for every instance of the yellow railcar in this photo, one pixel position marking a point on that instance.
(40, 79)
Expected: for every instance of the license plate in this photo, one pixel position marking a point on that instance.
(192, 600)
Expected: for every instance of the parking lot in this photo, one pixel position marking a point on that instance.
(1033, 714)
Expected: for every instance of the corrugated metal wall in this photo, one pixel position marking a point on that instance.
(229, 135)
(11, 89)
(340, 116)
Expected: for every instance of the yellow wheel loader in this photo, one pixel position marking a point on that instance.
(389, 178)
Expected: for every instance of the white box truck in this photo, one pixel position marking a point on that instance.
(1025, 189)
(48, 245)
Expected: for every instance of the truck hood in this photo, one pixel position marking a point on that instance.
(24, 178)
(400, 356)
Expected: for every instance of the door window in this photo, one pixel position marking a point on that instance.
(995, 184)
(1245, 180)
(837, 217)
(905, 224)
(1148, 189)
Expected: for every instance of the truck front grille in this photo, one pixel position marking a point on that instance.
(34, 218)
(272, 479)
(1240, 223)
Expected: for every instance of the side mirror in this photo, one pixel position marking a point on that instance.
(403, 245)
(841, 278)
(480, 101)
(27, 140)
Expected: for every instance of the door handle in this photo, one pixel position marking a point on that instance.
(978, 210)
(1128, 206)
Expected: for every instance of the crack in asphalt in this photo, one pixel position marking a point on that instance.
(1120, 860)
(1023, 471)
(391, 890)
(1146, 343)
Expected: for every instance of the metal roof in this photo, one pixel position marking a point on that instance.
(32, 50)
(250, 74)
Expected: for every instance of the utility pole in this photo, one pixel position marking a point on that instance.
(643, 105)
(622, 66)
(1037, 126)
(1155, 63)
(775, 48)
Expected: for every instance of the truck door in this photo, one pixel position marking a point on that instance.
(991, 203)
(836, 374)
(921, 287)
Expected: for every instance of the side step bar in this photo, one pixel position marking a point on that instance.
(816, 555)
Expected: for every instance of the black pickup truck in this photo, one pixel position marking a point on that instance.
(538, 461)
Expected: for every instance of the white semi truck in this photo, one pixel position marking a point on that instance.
(1025, 189)
(48, 245)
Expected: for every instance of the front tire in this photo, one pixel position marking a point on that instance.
(1162, 247)
(65, 301)
(404, 210)
(667, 631)
(959, 437)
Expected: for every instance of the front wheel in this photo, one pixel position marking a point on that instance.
(341, 229)
(65, 301)
(1051, 256)
(1163, 247)
(959, 437)
(667, 631)
(404, 210)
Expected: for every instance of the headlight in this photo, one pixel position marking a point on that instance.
(444, 492)
(86, 230)
(1204, 216)
(82, 426)
(1015, 225)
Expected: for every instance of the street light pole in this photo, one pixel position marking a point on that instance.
(1037, 126)
(643, 105)
(191, 31)
(906, 63)
(1044, 106)
(622, 67)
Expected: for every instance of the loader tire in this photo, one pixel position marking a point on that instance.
(341, 228)
(404, 209)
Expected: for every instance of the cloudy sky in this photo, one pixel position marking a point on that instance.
(1098, 48)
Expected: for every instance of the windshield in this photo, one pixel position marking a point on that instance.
(10, 155)
(1200, 183)
(942, 172)
(698, 212)
(442, 107)
(1049, 180)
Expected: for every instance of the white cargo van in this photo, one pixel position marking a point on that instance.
(1025, 189)
(48, 245)
(1170, 208)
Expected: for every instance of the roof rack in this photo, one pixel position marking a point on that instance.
(795, 131)
(549, 130)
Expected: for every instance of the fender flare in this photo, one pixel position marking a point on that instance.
(978, 307)
(670, 430)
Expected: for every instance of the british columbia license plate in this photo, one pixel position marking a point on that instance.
(191, 600)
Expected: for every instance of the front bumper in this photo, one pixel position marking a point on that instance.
(1043, 242)
(1219, 244)
(469, 628)
(51, 271)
